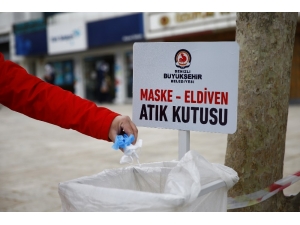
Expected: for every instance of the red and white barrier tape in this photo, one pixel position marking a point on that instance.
(262, 195)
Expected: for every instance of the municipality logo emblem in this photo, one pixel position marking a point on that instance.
(183, 58)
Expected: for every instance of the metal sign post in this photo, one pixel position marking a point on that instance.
(183, 142)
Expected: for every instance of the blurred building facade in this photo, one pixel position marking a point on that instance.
(93, 51)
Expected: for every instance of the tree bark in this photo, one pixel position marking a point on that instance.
(256, 150)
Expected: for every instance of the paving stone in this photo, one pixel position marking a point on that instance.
(36, 156)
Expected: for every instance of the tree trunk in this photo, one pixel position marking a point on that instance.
(256, 150)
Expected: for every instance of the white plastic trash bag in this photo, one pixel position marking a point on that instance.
(154, 187)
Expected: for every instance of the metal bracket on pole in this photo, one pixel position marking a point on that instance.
(183, 142)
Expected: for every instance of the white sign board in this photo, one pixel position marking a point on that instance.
(64, 38)
(186, 85)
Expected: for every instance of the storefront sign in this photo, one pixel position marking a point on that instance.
(30, 37)
(33, 43)
(186, 85)
(68, 37)
(159, 25)
(116, 30)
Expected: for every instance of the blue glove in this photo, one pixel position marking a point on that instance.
(122, 141)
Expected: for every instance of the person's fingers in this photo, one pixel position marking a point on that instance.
(123, 125)
(135, 131)
(129, 128)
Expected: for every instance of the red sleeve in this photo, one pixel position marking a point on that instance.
(37, 99)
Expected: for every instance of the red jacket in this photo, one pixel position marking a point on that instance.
(40, 100)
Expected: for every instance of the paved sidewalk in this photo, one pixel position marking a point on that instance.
(36, 156)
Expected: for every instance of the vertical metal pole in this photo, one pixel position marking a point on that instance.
(183, 142)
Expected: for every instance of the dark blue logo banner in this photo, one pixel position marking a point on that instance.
(116, 30)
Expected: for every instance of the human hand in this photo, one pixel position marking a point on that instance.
(121, 125)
